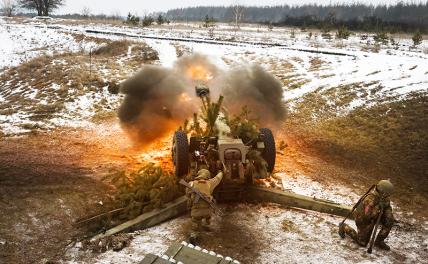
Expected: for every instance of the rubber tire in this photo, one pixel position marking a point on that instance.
(269, 152)
(180, 155)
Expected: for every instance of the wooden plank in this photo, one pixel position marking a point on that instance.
(192, 256)
(153, 259)
(296, 200)
(146, 220)
(173, 250)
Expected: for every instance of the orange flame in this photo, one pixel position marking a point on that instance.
(198, 73)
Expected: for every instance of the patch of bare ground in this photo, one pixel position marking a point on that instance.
(50, 180)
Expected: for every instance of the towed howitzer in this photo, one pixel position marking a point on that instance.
(202, 196)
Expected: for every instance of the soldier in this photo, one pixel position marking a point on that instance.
(201, 210)
(366, 214)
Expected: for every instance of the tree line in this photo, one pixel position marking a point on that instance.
(407, 17)
(42, 7)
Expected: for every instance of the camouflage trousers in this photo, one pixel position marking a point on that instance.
(201, 218)
(364, 229)
(198, 222)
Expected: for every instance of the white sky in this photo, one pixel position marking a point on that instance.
(141, 7)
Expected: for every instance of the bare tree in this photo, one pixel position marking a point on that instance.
(86, 12)
(43, 7)
(238, 11)
(116, 15)
(8, 7)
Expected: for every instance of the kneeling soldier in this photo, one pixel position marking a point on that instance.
(366, 213)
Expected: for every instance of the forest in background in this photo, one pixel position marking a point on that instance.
(402, 17)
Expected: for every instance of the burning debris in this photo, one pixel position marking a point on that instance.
(158, 99)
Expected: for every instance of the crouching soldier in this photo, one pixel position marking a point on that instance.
(366, 214)
(201, 201)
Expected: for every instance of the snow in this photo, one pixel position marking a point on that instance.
(304, 185)
(391, 73)
(282, 235)
(22, 42)
(167, 53)
(313, 238)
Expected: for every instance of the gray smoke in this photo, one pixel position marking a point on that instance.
(257, 89)
(158, 100)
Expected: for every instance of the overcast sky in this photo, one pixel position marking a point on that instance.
(141, 7)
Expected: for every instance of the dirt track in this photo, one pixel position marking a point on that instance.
(50, 180)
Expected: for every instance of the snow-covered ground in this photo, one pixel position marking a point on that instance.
(392, 73)
(277, 234)
(292, 236)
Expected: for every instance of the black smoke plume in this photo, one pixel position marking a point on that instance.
(156, 102)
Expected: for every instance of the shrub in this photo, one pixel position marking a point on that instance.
(160, 20)
(132, 20)
(381, 37)
(114, 48)
(417, 39)
(148, 21)
(343, 33)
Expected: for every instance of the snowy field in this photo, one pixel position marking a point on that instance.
(303, 65)
(268, 233)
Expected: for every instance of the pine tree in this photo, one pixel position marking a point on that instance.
(417, 38)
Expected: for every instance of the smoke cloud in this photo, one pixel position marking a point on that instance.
(158, 99)
(257, 89)
(156, 102)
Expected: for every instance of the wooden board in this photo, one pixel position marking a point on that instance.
(146, 220)
(186, 255)
(153, 259)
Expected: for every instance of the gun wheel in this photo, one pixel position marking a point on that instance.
(180, 153)
(269, 153)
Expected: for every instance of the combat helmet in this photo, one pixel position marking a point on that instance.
(203, 174)
(385, 187)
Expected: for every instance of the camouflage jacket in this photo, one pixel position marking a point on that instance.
(206, 187)
(368, 210)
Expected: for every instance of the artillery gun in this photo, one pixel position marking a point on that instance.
(227, 153)
(234, 155)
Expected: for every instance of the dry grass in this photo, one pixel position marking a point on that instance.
(81, 37)
(316, 64)
(373, 73)
(390, 136)
(375, 48)
(327, 76)
(181, 50)
(42, 86)
(114, 48)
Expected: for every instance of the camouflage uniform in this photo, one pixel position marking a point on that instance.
(201, 211)
(365, 216)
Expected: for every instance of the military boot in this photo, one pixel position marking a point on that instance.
(193, 238)
(342, 230)
(382, 245)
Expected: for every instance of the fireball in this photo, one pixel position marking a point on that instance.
(199, 73)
